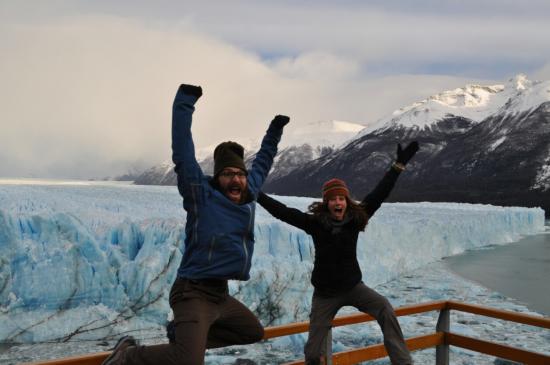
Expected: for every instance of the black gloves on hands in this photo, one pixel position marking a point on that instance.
(191, 90)
(404, 155)
(280, 121)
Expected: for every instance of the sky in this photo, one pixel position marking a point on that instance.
(86, 87)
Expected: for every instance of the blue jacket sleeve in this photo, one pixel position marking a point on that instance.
(264, 158)
(187, 168)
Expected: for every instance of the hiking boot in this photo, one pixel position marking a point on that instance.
(122, 344)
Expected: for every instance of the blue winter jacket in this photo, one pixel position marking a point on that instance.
(219, 234)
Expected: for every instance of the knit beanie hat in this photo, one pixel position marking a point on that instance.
(334, 187)
(228, 154)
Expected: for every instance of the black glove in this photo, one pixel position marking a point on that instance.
(191, 90)
(280, 121)
(404, 155)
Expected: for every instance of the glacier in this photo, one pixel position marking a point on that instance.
(88, 261)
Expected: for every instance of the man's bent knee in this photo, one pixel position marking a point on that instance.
(257, 334)
(253, 335)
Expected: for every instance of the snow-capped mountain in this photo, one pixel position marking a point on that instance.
(297, 147)
(488, 144)
(473, 102)
(162, 174)
(317, 139)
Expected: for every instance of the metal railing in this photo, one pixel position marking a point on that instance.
(442, 339)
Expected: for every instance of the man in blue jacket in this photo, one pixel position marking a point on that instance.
(219, 242)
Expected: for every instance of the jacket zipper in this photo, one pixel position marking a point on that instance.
(244, 241)
(212, 241)
(196, 213)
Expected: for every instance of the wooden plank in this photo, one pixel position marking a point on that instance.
(502, 351)
(378, 351)
(89, 359)
(401, 311)
(407, 310)
(285, 330)
(294, 328)
(501, 314)
(270, 332)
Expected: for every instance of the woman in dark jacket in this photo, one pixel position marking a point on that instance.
(334, 225)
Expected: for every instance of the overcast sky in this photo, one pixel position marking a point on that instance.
(86, 87)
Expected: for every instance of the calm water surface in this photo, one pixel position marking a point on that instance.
(520, 270)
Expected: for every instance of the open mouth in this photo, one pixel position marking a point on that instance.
(338, 210)
(234, 190)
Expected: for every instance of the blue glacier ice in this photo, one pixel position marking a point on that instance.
(82, 261)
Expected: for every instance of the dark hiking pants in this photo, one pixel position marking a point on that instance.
(324, 309)
(206, 316)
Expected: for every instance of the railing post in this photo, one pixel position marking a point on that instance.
(443, 324)
(328, 348)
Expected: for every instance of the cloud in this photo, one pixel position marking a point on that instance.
(391, 36)
(543, 73)
(96, 91)
(89, 96)
(315, 65)
(388, 37)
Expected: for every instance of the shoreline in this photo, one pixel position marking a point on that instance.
(519, 270)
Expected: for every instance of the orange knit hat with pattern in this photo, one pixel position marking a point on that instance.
(334, 187)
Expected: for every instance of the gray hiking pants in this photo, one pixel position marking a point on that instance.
(206, 316)
(324, 309)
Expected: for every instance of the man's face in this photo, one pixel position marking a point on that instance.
(232, 183)
(337, 207)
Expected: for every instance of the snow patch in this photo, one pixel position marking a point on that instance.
(473, 102)
(496, 143)
(331, 133)
(542, 180)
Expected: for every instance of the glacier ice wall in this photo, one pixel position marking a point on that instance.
(92, 261)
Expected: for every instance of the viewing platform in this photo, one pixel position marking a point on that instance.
(442, 339)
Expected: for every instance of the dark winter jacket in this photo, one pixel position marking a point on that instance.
(335, 267)
(219, 234)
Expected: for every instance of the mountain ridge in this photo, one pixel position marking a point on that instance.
(479, 144)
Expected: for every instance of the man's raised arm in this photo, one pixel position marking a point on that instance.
(264, 158)
(183, 150)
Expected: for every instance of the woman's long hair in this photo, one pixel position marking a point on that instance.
(354, 210)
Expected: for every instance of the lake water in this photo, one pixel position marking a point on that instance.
(520, 270)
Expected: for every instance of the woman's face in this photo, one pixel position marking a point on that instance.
(337, 205)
